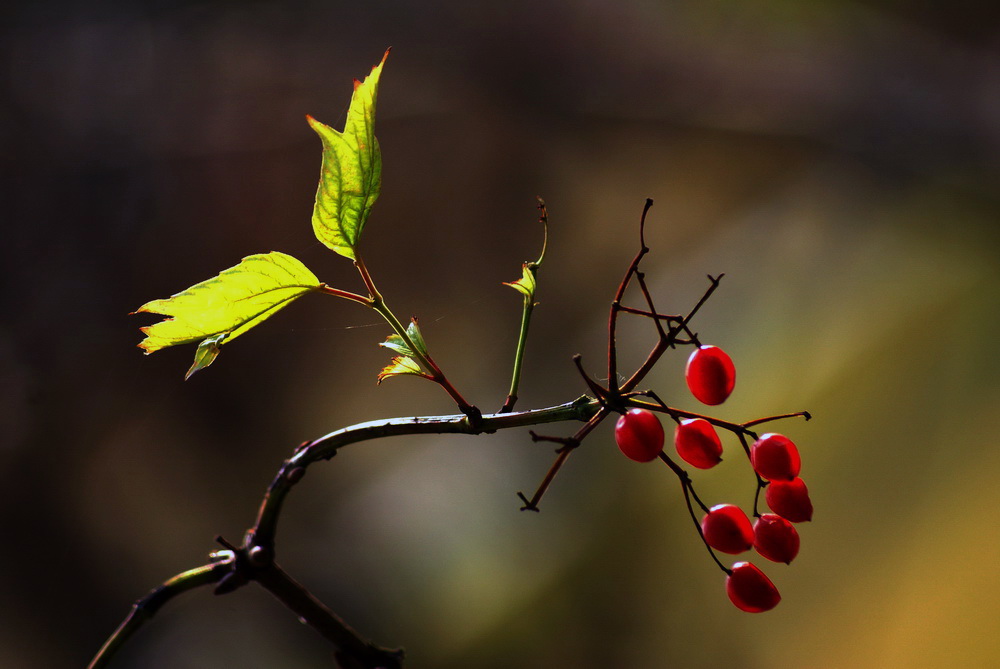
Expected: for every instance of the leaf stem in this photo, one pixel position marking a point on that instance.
(522, 339)
(359, 263)
(377, 302)
(336, 292)
(688, 489)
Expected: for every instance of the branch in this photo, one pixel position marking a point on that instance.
(146, 608)
(254, 561)
(324, 448)
(353, 652)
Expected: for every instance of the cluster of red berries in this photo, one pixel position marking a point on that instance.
(711, 377)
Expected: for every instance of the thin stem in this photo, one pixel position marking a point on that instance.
(598, 391)
(378, 304)
(641, 278)
(673, 413)
(336, 292)
(756, 499)
(366, 276)
(527, 308)
(797, 414)
(761, 483)
(664, 343)
(543, 218)
(515, 380)
(564, 453)
(648, 314)
(743, 441)
(615, 391)
(736, 428)
(145, 608)
(688, 489)
(616, 303)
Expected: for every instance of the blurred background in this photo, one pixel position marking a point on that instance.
(838, 160)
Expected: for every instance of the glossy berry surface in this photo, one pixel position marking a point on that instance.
(697, 443)
(790, 500)
(750, 590)
(775, 457)
(710, 375)
(775, 538)
(639, 435)
(727, 529)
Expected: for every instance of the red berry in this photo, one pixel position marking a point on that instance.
(775, 457)
(710, 374)
(639, 435)
(697, 443)
(790, 500)
(750, 590)
(775, 538)
(727, 529)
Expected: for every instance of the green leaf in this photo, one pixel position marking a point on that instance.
(401, 365)
(351, 173)
(205, 355)
(396, 343)
(413, 330)
(526, 284)
(399, 345)
(218, 310)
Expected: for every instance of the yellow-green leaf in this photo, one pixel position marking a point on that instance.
(526, 284)
(351, 173)
(218, 310)
(399, 366)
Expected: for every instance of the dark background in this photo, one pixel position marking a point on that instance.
(839, 161)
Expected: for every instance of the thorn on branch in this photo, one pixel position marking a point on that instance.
(568, 443)
(219, 539)
(529, 505)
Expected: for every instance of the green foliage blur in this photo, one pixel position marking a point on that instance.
(839, 161)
